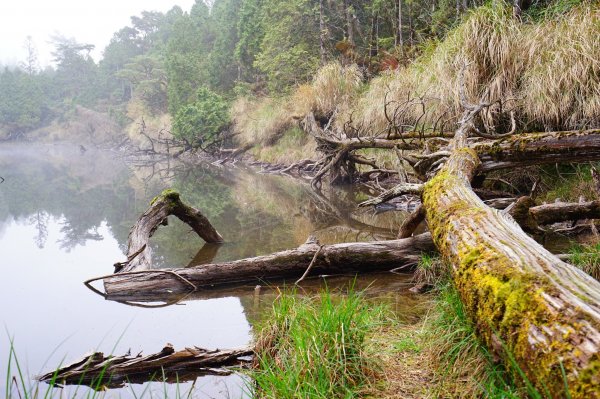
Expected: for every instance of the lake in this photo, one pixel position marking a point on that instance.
(64, 218)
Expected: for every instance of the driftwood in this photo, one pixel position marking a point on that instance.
(97, 370)
(339, 157)
(527, 305)
(139, 254)
(143, 284)
(291, 264)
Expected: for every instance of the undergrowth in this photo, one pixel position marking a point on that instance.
(570, 183)
(544, 66)
(587, 258)
(440, 356)
(347, 347)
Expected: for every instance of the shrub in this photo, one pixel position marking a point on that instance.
(202, 121)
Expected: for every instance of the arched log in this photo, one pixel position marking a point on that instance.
(139, 254)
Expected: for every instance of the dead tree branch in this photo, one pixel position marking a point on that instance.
(168, 365)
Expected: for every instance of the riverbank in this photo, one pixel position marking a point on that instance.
(356, 347)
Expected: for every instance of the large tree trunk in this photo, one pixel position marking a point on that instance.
(527, 305)
(329, 259)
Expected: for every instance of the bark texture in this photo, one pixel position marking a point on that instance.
(527, 304)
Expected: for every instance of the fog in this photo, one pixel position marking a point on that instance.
(86, 21)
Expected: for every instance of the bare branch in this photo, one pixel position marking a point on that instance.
(400, 189)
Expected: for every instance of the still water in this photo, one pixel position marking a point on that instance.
(65, 216)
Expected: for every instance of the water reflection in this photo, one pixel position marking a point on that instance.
(65, 217)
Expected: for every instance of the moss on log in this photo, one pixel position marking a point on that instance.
(528, 306)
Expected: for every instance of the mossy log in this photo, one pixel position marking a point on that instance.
(561, 211)
(139, 254)
(330, 260)
(528, 306)
(538, 148)
(97, 370)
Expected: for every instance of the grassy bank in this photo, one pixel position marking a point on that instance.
(349, 347)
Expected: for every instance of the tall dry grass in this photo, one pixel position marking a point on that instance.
(335, 87)
(550, 69)
(264, 121)
(546, 70)
(260, 121)
(561, 86)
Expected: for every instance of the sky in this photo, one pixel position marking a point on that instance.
(87, 21)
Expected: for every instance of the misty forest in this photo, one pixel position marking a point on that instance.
(306, 199)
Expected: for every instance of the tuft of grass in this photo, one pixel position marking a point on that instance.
(315, 347)
(587, 258)
(561, 79)
(430, 271)
(335, 86)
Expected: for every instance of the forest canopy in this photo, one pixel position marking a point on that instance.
(233, 48)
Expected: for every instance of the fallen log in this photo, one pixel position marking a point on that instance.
(375, 285)
(529, 307)
(561, 211)
(97, 370)
(538, 148)
(530, 217)
(332, 259)
(526, 149)
(139, 254)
